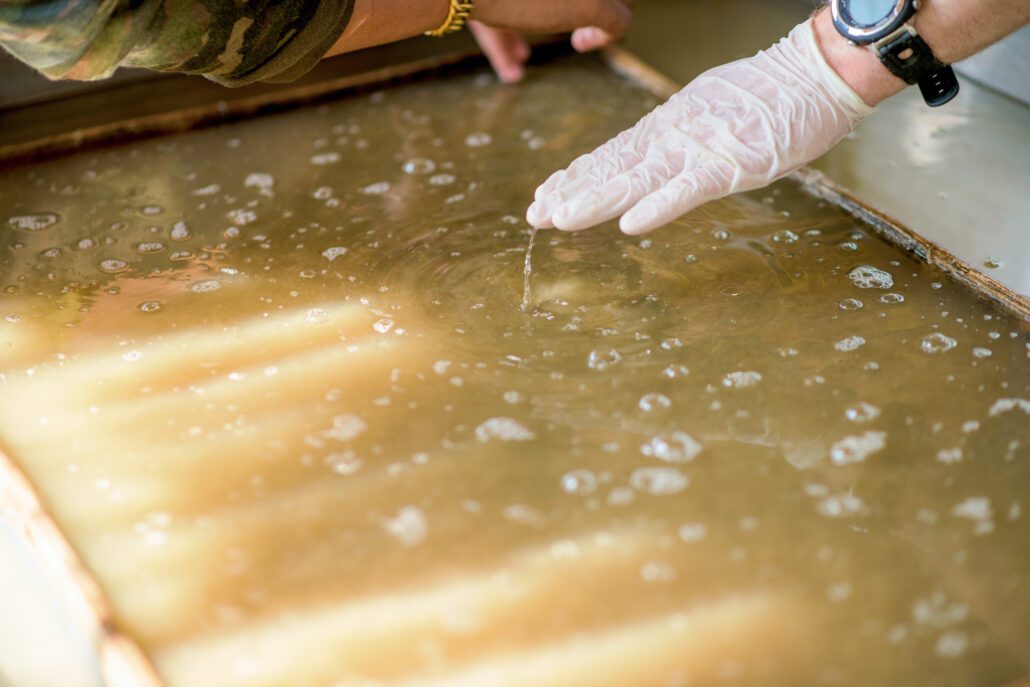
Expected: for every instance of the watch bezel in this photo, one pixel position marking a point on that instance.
(899, 14)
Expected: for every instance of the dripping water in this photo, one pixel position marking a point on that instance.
(527, 270)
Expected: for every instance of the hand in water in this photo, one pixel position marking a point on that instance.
(593, 23)
(734, 128)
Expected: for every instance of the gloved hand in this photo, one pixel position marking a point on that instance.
(734, 128)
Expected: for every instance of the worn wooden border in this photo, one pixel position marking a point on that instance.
(817, 184)
(122, 661)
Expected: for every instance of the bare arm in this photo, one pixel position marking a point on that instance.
(954, 29)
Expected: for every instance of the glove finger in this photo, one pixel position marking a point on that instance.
(600, 203)
(679, 196)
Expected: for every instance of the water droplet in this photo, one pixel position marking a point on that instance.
(149, 247)
(861, 412)
(981, 352)
(419, 165)
(334, 252)
(112, 265)
(478, 140)
(741, 379)
(603, 358)
(149, 306)
(849, 343)
(382, 325)
(937, 343)
(180, 232)
(441, 179)
(653, 402)
(376, 189)
(580, 482)
(847, 247)
(503, 429)
(720, 235)
(409, 526)
(786, 237)
(37, 222)
(322, 159)
(868, 277)
(658, 481)
(205, 286)
(850, 304)
(673, 447)
(855, 449)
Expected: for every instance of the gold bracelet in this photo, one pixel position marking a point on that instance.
(457, 15)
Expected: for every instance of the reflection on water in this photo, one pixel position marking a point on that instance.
(278, 384)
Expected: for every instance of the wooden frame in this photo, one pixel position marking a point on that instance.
(122, 661)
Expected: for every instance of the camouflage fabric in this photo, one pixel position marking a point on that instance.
(233, 42)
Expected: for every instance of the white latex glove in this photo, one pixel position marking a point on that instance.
(734, 128)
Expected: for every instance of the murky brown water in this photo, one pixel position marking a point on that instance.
(277, 385)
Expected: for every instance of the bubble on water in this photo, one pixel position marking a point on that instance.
(180, 255)
(840, 505)
(12, 317)
(847, 247)
(675, 370)
(409, 526)
(209, 190)
(868, 277)
(376, 189)
(950, 455)
(343, 462)
(85, 244)
(205, 286)
(322, 193)
(741, 379)
(149, 306)
(672, 447)
(262, 181)
(786, 237)
(478, 140)
(653, 401)
(952, 644)
(503, 429)
(892, 298)
(657, 571)
(419, 165)
(580, 482)
(180, 231)
(132, 356)
(1004, 405)
(993, 263)
(603, 358)
(981, 352)
(861, 412)
(334, 252)
(850, 304)
(855, 449)
(383, 325)
(51, 252)
(849, 343)
(150, 247)
(345, 427)
(316, 316)
(721, 235)
(937, 343)
(241, 216)
(659, 481)
(512, 397)
(692, 532)
(151, 210)
(112, 265)
(978, 509)
(36, 222)
(442, 179)
(620, 496)
(322, 159)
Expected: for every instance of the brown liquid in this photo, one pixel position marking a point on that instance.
(310, 437)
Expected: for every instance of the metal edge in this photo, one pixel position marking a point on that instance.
(122, 662)
(818, 185)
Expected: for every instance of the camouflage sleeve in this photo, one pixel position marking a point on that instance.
(232, 42)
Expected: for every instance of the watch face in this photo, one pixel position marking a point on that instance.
(867, 13)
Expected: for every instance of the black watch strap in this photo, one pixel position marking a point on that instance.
(909, 58)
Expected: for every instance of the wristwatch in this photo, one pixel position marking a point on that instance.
(884, 26)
